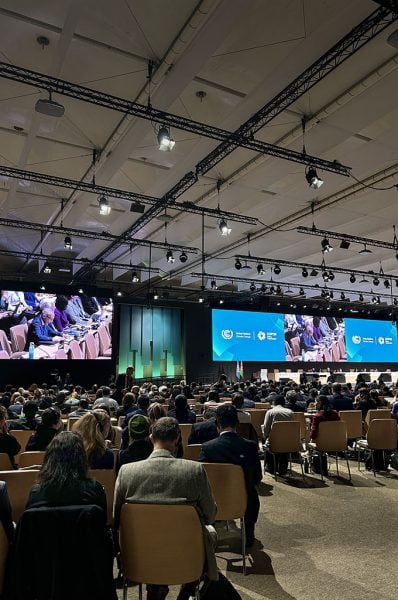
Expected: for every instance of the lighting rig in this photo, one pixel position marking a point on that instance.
(347, 239)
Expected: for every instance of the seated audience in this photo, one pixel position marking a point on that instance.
(94, 428)
(243, 415)
(277, 413)
(205, 431)
(27, 419)
(140, 446)
(155, 412)
(105, 399)
(128, 405)
(324, 412)
(50, 425)
(42, 331)
(82, 408)
(338, 401)
(8, 444)
(181, 411)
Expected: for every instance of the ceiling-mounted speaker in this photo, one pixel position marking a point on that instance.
(50, 108)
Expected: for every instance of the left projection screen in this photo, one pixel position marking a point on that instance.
(242, 335)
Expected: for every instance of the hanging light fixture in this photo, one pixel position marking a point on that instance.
(170, 256)
(277, 270)
(302, 292)
(47, 269)
(260, 269)
(304, 272)
(119, 293)
(213, 284)
(312, 178)
(326, 246)
(353, 278)
(134, 277)
(104, 206)
(166, 142)
(223, 227)
(253, 287)
(68, 243)
(183, 257)
(365, 250)
(238, 264)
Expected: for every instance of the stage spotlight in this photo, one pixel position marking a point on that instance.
(277, 270)
(374, 300)
(252, 287)
(104, 206)
(331, 294)
(68, 243)
(119, 293)
(326, 246)
(170, 256)
(223, 227)
(221, 301)
(47, 269)
(134, 277)
(238, 264)
(376, 281)
(323, 294)
(386, 283)
(365, 250)
(344, 244)
(263, 288)
(183, 257)
(325, 276)
(278, 289)
(378, 300)
(353, 278)
(314, 273)
(314, 181)
(166, 142)
(201, 299)
(272, 290)
(213, 284)
(361, 297)
(260, 269)
(302, 292)
(342, 296)
(331, 275)
(395, 302)
(304, 272)
(156, 296)
(43, 287)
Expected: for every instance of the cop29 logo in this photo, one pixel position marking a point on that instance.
(227, 334)
(356, 339)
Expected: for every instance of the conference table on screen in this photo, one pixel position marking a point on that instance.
(349, 376)
(48, 351)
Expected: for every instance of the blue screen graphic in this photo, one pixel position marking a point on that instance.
(371, 341)
(242, 335)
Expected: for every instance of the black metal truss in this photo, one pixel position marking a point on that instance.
(93, 235)
(65, 260)
(286, 285)
(391, 5)
(319, 268)
(346, 47)
(355, 239)
(163, 118)
(132, 197)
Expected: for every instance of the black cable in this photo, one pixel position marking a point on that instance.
(373, 187)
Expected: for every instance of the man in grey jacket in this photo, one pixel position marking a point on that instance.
(164, 479)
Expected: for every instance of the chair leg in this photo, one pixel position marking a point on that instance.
(337, 465)
(301, 465)
(227, 522)
(139, 591)
(373, 463)
(274, 457)
(243, 536)
(320, 454)
(125, 585)
(348, 465)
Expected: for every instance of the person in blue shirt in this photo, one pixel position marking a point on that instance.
(308, 342)
(41, 330)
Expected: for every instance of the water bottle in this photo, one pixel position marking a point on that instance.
(31, 350)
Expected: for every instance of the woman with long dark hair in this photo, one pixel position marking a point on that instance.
(63, 477)
(324, 412)
(181, 411)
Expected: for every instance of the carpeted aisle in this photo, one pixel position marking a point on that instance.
(318, 541)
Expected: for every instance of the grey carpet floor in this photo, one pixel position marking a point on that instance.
(330, 541)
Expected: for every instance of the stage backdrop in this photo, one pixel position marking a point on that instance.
(152, 341)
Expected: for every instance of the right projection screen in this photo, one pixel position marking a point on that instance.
(256, 336)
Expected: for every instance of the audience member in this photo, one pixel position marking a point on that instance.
(50, 425)
(8, 444)
(324, 412)
(277, 413)
(181, 411)
(140, 446)
(94, 428)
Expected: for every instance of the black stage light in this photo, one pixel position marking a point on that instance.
(353, 278)
(277, 270)
(238, 264)
(344, 244)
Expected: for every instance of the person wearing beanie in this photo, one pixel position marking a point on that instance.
(140, 446)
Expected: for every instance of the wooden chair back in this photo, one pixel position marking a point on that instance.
(257, 419)
(300, 418)
(107, 478)
(229, 490)
(382, 434)
(30, 459)
(285, 437)
(192, 451)
(332, 436)
(22, 435)
(185, 431)
(5, 463)
(377, 413)
(143, 531)
(19, 484)
(353, 421)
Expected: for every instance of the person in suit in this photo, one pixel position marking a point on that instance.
(124, 381)
(164, 479)
(42, 331)
(206, 431)
(338, 401)
(229, 447)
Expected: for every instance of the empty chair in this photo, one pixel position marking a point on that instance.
(192, 451)
(257, 419)
(229, 490)
(144, 528)
(22, 435)
(377, 413)
(19, 484)
(30, 459)
(381, 435)
(91, 348)
(18, 335)
(185, 431)
(332, 437)
(75, 350)
(105, 346)
(285, 438)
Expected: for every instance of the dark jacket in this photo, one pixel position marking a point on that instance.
(9, 445)
(40, 333)
(187, 416)
(203, 432)
(101, 461)
(40, 439)
(340, 402)
(138, 450)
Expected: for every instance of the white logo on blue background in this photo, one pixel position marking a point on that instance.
(380, 340)
(227, 334)
(356, 339)
(261, 336)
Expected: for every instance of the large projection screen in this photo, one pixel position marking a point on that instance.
(272, 337)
